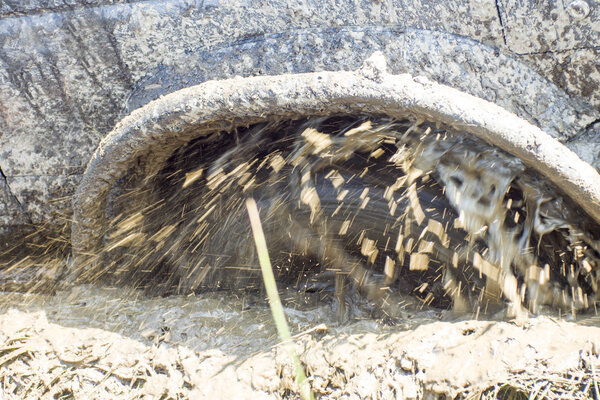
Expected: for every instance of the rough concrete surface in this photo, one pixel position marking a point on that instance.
(11, 212)
(587, 145)
(576, 71)
(550, 26)
(16, 7)
(70, 70)
(58, 188)
(448, 59)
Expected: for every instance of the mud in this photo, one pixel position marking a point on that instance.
(107, 343)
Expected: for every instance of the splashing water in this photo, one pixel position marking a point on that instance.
(394, 206)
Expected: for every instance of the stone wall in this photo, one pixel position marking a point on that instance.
(71, 69)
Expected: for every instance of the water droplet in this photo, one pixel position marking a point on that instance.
(578, 9)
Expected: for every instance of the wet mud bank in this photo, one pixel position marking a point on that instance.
(94, 342)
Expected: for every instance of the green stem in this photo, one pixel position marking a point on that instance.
(274, 301)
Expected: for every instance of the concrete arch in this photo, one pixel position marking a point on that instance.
(158, 128)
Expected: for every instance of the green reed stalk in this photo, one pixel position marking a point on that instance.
(274, 301)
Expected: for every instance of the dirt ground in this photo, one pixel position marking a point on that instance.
(103, 343)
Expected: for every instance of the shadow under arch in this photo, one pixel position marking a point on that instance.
(155, 130)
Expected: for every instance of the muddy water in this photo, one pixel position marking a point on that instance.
(102, 342)
(239, 325)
